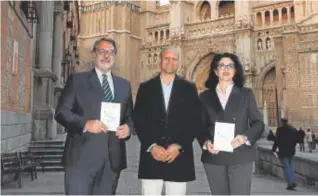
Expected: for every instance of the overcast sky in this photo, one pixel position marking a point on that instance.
(163, 2)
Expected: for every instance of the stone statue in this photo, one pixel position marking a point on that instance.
(259, 44)
(268, 43)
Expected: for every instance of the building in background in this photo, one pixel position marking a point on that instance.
(39, 51)
(275, 40)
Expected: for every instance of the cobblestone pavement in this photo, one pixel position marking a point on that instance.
(52, 182)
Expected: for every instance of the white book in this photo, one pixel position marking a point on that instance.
(110, 115)
(223, 136)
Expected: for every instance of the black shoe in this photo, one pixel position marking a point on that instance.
(294, 185)
(291, 188)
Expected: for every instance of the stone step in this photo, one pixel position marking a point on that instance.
(47, 152)
(45, 147)
(47, 142)
(49, 157)
(50, 168)
(48, 163)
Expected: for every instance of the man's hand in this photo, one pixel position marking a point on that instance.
(210, 148)
(123, 131)
(95, 126)
(238, 141)
(173, 152)
(159, 153)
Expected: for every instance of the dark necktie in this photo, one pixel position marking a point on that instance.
(106, 90)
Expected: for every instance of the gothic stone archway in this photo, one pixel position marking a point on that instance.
(201, 71)
(269, 96)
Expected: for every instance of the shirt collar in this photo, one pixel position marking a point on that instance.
(228, 88)
(100, 73)
(170, 83)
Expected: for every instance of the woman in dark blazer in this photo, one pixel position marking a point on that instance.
(227, 101)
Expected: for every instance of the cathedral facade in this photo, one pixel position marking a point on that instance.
(277, 42)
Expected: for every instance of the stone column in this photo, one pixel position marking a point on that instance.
(280, 16)
(104, 17)
(263, 19)
(271, 16)
(288, 15)
(43, 111)
(57, 61)
(90, 24)
(265, 114)
(280, 67)
(46, 34)
(58, 45)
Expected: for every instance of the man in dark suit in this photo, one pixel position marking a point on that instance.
(93, 154)
(286, 141)
(167, 118)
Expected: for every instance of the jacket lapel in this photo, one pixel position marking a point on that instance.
(234, 100)
(174, 93)
(214, 100)
(116, 89)
(233, 103)
(159, 93)
(95, 83)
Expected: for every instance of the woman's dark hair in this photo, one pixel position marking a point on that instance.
(213, 79)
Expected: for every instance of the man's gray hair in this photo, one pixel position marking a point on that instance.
(170, 48)
(113, 42)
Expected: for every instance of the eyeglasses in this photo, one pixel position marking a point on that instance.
(105, 52)
(228, 66)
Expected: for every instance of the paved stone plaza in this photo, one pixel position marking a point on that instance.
(52, 183)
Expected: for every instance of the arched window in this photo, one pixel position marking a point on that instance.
(284, 15)
(150, 36)
(292, 13)
(167, 34)
(259, 18)
(267, 18)
(275, 16)
(226, 8)
(205, 11)
(156, 36)
(161, 35)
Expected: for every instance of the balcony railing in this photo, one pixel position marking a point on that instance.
(209, 27)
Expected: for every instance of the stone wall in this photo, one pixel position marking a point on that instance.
(15, 130)
(306, 170)
(16, 73)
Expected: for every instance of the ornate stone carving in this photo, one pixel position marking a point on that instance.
(209, 27)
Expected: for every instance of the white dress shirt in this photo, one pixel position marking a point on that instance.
(109, 79)
(166, 90)
(224, 97)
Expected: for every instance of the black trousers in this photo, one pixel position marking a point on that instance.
(229, 179)
(91, 174)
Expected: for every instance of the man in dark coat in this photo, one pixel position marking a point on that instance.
(167, 118)
(286, 140)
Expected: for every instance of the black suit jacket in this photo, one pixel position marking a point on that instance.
(180, 124)
(286, 141)
(240, 109)
(81, 101)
